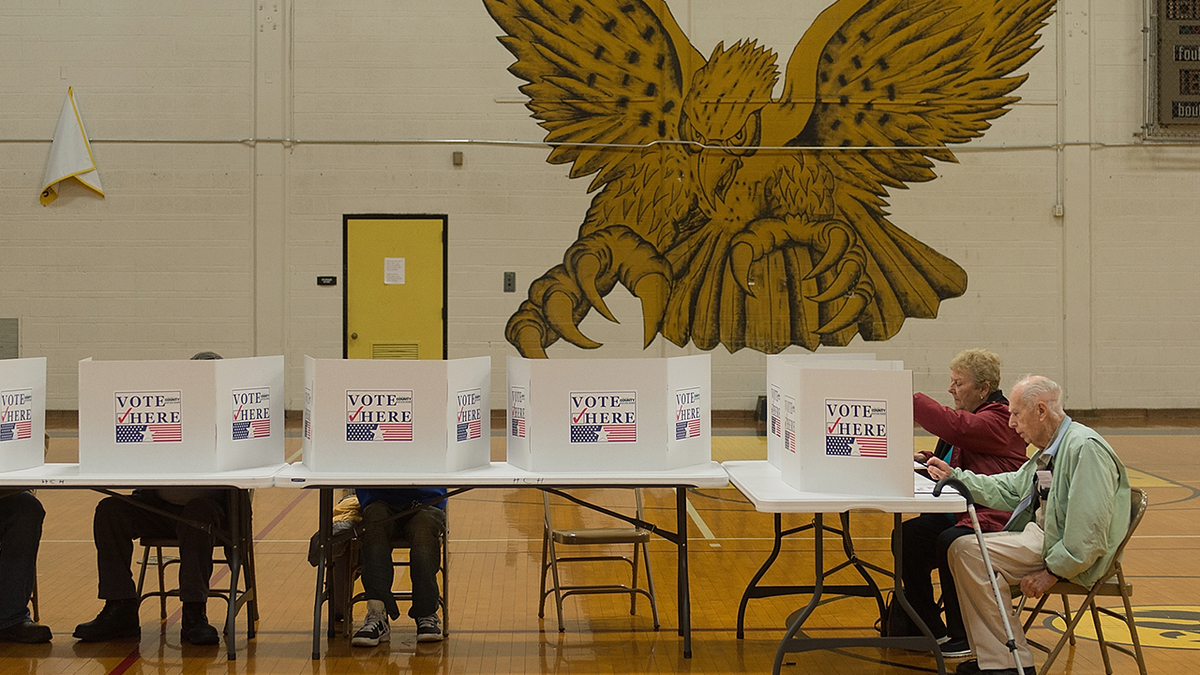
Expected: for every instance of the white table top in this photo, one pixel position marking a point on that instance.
(502, 474)
(68, 475)
(763, 485)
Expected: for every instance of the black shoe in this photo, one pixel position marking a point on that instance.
(118, 619)
(972, 668)
(27, 632)
(955, 649)
(196, 630)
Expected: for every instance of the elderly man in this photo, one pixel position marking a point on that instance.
(1070, 512)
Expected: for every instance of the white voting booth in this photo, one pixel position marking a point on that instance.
(22, 413)
(844, 424)
(139, 417)
(609, 415)
(776, 436)
(395, 416)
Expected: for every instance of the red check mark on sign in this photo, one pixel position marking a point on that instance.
(239, 412)
(355, 413)
(122, 417)
(835, 422)
(460, 413)
(576, 419)
(4, 415)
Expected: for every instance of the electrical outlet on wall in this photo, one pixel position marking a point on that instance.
(510, 282)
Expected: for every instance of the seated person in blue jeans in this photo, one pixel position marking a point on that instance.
(21, 516)
(423, 529)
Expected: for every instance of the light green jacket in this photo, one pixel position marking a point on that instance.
(1087, 512)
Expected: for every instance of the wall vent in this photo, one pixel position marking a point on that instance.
(394, 351)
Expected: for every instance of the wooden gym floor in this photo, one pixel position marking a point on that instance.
(495, 546)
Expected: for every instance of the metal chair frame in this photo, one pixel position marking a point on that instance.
(1111, 584)
(246, 594)
(552, 537)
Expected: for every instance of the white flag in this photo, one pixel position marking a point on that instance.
(70, 154)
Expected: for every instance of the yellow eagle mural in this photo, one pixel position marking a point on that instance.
(742, 219)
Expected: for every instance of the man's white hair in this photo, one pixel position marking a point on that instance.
(1034, 388)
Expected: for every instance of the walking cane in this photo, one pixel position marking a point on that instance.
(1004, 607)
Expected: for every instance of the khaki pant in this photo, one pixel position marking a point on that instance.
(1013, 555)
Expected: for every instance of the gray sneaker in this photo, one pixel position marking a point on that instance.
(375, 629)
(429, 629)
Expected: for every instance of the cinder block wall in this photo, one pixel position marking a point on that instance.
(232, 136)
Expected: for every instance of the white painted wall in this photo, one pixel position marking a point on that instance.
(232, 136)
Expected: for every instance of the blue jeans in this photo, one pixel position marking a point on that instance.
(423, 530)
(21, 518)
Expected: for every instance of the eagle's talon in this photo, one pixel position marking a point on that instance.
(528, 341)
(847, 278)
(847, 315)
(837, 242)
(587, 270)
(653, 290)
(558, 306)
(741, 255)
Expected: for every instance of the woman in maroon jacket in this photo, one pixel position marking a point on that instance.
(974, 435)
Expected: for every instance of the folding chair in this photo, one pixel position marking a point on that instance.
(553, 537)
(245, 594)
(1111, 584)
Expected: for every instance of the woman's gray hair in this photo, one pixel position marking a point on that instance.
(983, 367)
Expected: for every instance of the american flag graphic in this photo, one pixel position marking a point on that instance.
(384, 431)
(307, 428)
(603, 433)
(469, 430)
(789, 440)
(775, 426)
(15, 431)
(252, 429)
(518, 427)
(845, 446)
(149, 433)
(688, 429)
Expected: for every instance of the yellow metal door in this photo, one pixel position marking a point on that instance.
(395, 287)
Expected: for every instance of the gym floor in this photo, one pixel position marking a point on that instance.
(495, 549)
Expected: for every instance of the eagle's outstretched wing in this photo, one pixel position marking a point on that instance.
(600, 75)
(897, 74)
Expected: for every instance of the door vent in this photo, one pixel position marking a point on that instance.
(394, 351)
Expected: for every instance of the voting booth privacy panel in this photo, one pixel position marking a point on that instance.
(22, 413)
(844, 426)
(775, 403)
(609, 414)
(397, 416)
(180, 416)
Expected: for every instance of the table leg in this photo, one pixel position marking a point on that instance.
(852, 557)
(752, 589)
(818, 586)
(325, 516)
(235, 568)
(899, 596)
(685, 600)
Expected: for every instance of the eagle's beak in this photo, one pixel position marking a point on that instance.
(716, 170)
